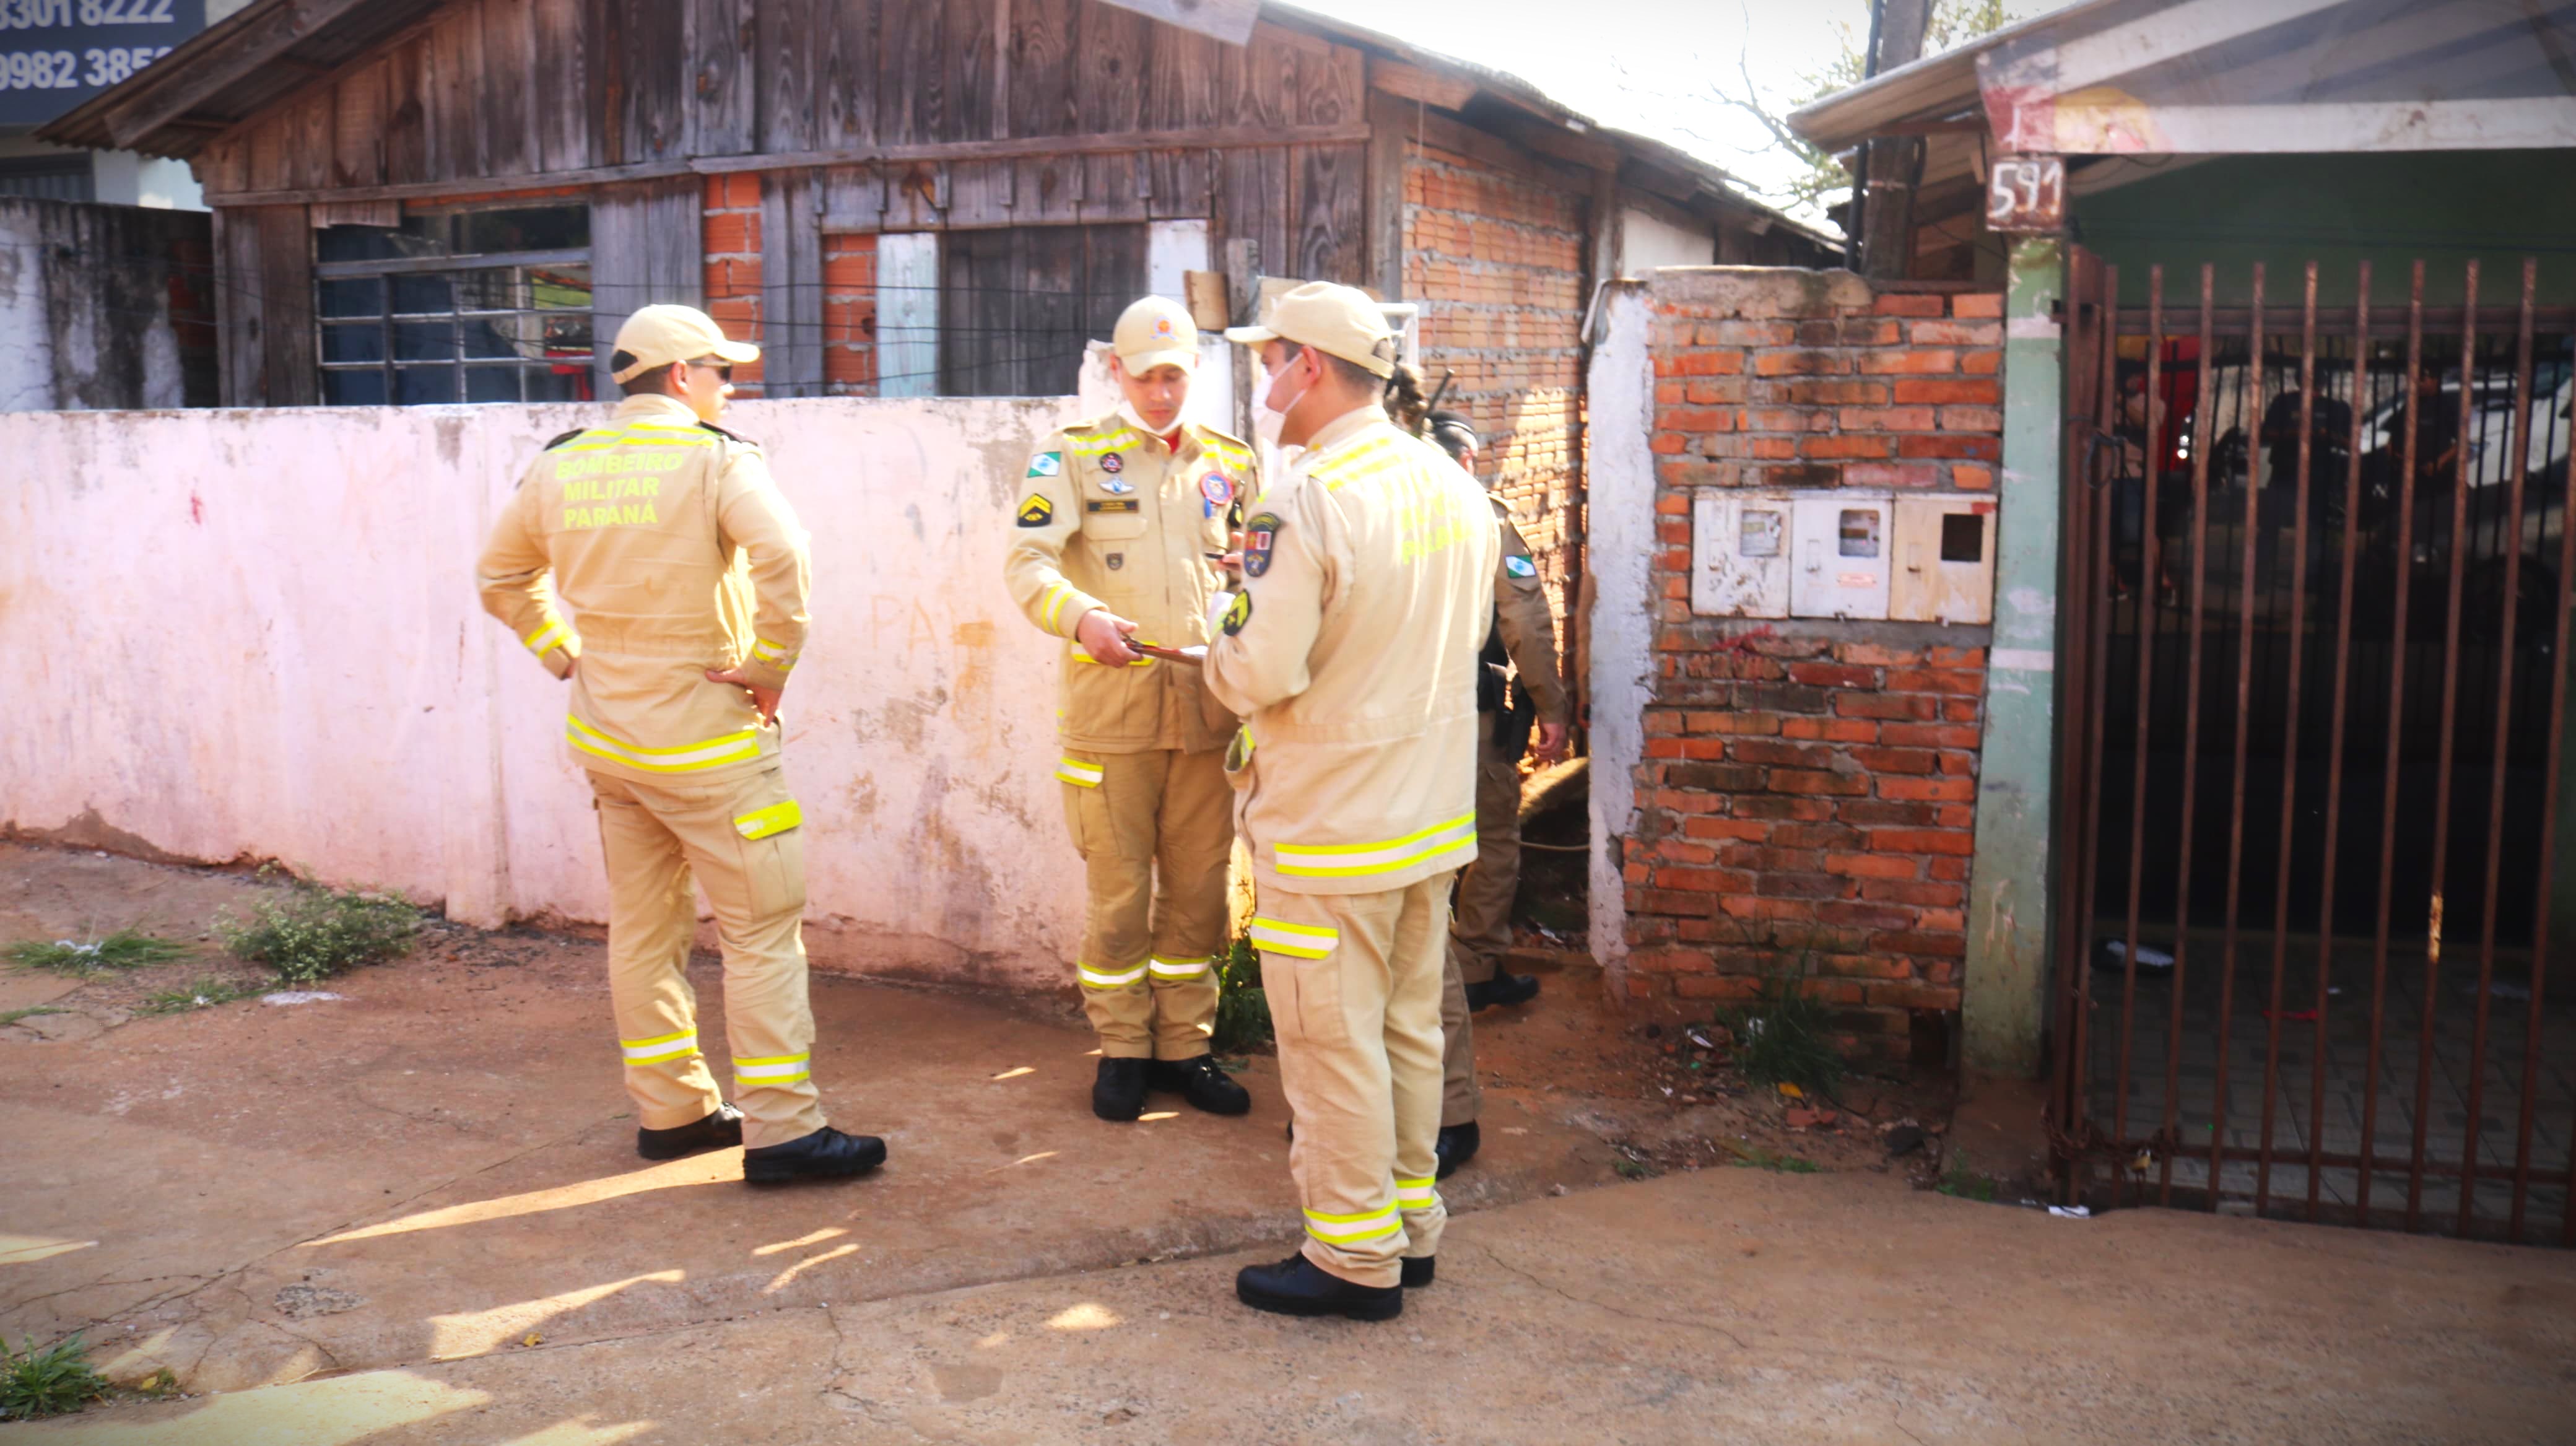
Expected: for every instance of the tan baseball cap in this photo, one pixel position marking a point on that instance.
(1337, 320)
(1156, 331)
(660, 335)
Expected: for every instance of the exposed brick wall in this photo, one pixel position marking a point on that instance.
(1497, 263)
(850, 315)
(1808, 790)
(732, 253)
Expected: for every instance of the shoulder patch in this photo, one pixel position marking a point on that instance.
(1238, 613)
(566, 437)
(728, 436)
(1520, 567)
(1036, 511)
(1047, 464)
(1259, 535)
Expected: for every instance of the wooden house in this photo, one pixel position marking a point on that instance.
(453, 200)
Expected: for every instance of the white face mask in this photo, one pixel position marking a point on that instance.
(1127, 413)
(1270, 417)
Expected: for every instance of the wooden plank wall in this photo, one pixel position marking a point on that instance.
(264, 307)
(643, 248)
(591, 91)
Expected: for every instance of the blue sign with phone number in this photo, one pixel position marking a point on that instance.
(54, 54)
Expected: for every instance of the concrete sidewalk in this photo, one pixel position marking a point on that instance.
(1720, 1306)
(413, 1214)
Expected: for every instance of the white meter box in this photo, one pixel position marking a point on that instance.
(1945, 560)
(1839, 555)
(1740, 554)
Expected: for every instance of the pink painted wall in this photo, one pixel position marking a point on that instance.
(251, 634)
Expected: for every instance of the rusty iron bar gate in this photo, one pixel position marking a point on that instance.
(2304, 716)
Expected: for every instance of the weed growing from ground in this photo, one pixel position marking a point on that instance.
(1242, 1010)
(12, 1016)
(1957, 1179)
(124, 949)
(1783, 1040)
(206, 993)
(1762, 1159)
(314, 933)
(52, 1382)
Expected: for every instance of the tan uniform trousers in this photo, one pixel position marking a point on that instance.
(1354, 984)
(1156, 834)
(657, 836)
(1483, 929)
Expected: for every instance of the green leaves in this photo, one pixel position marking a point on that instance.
(52, 1382)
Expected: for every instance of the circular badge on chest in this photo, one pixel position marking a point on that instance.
(1113, 464)
(1217, 488)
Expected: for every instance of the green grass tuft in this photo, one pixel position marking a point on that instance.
(12, 1016)
(314, 933)
(206, 993)
(124, 949)
(1242, 1009)
(1784, 1040)
(1762, 1159)
(1966, 1184)
(55, 1381)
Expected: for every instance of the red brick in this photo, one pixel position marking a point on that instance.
(1960, 710)
(1705, 881)
(1761, 858)
(1922, 841)
(1669, 961)
(1830, 730)
(1959, 681)
(1906, 994)
(1928, 735)
(1977, 305)
(1863, 445)
(1920, 942)
(1886, 706)
(1955, 333)
(1744, 830)
(1943, 921)
(1875, 655)
(1882, 812)
(1979, 391)
(1735, 987)
(1895, 760)
(1928, 790)
(1832, 675)
(1904, 303)
(1782, 807)
(1892, 474)
(1772, 751)
(1673, 504)
(1815, 836)
(850, 271)
(1972, 479)
(1958, 445)
(1873, 866)
(1984, 363)
(1971, 419)
(1831, 991)
(1950, 869)
(1916, 361)
(1708, 364)
(1803, 886)
(733, 234)
(1800, 363)
(1896, 891)
(1885, 419)
(1678, 903)
(1832, 392)
(1811, 780)
(1696, 419)
(1757, 724)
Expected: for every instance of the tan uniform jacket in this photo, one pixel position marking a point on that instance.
(1111, 518)
(672, 551)
(1528, 628)
(1352, 657)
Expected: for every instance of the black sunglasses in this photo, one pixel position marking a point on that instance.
(723, 369)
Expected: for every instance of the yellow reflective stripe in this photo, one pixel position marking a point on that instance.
(1387, 856)
(657, 1051)
(714, 752)
(1096, 979)
(763, 650)
(1058, 594)
(1178, 968)
(762, 822)
(1081, 656)
(1095, 446)
(1415, 1194)
(553, 635)
(1078, 773)
(1298, 941)
(778, 1069)
(1343, 1229)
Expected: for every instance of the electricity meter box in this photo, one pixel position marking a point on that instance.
(1740, 554)
(1945, 560)
(1841, 544)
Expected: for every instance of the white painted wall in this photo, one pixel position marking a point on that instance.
(1647, 241)
(1620, 627)
(249, 634)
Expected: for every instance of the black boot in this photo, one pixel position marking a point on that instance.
(826, 1154)
(1298, 1286)
(719, 1131)
(1454, 1146)
(1119, 1092)
(1418, 1270)
(1202, 1083)
(1502, 989)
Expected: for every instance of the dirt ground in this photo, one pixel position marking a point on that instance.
(412, 1213)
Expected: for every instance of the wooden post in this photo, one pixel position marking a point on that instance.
(1890, 165)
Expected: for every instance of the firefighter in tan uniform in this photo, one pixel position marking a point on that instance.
(1351, 656)
(1522, 647)
(1117, 526)
(653, 563)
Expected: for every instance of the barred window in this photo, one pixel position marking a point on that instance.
(456, 306)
